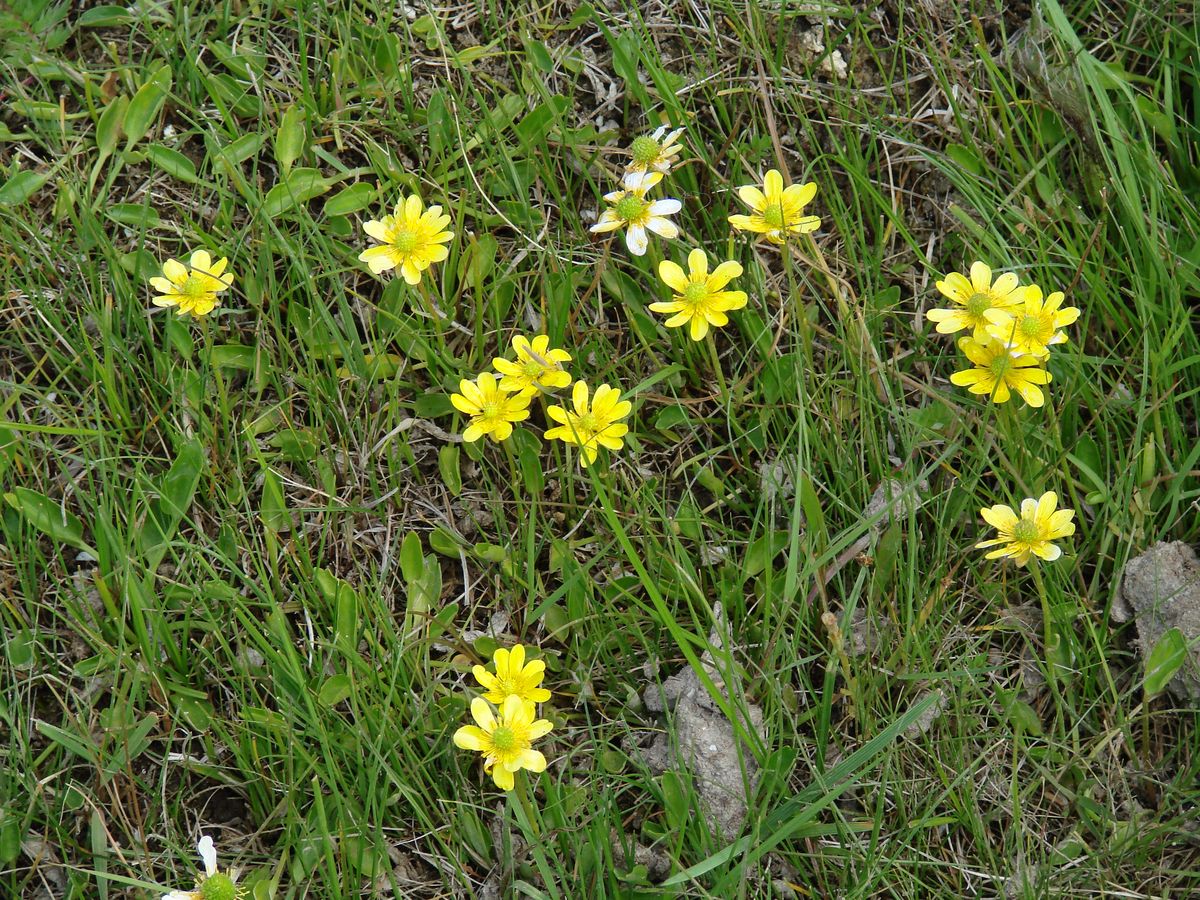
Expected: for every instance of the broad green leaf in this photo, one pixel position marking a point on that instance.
(109, 125)
(335, 689)
(289, 138)
(176, 491)
(352, 199)
(412, 558)
(106, 16)
(135, 215)
(145, 105)
(274, 509)
(300, 187)
(173, 163)
(21, 186)
(48, 517)
(1168, 655)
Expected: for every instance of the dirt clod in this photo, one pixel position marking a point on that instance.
(1160, 590)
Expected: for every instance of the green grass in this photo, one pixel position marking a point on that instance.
(267, 636)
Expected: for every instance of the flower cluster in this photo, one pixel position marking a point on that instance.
(1012, 328)
(505, 735)
(492, 405)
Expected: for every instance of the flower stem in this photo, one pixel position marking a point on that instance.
(715, 358)
(432, 312)
(1052, 641)
(522, 791)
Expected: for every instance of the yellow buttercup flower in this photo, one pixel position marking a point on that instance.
(591, 426)
(1031, 326)
(538, 367)
(514, 677)
(630, 209)
(997, 373)
(192, 289)
(700, 298)
(215, 885)
(980, 301)
(778, 211)
(655, 152)
(413, 239)
(1029, 534)
(505, 742)
(492, 409)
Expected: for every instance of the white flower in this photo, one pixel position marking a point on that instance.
(222, 884)
(655, 152)
(630, 209)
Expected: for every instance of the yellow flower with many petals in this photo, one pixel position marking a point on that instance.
(700, 298)
(997, 373)
(655, 152)
(215, 885)
(1031, 326)
(192, 289)
(514, 677)
(980, 301)
(630, 209)
(778, 212)
(505, 742)
(492, 409)
(591, 426)
(413, 239)
(538, 367)
(1029, 534)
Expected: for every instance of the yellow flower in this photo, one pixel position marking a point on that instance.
(513, 678)
(1031, 326)
(492, 410)
(700, 298)
(594, 426)
(981, 301)
(215, 885)
(505, 742)
(412, 240)
(778, 211)
(1030, 533)
(629, 209)
(655, 152)
(192, 290)
(998, 373)
(537, 367)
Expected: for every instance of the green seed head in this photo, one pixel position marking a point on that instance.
(405, 241)
(503, 738)
(978, 304)
(1000, 365)
(218, 887)
(645, 150)
(1030, 326)
(1025, 531)
(695, 292)
(773, 215)
(193, 287)
(629, 207)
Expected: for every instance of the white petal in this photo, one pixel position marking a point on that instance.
(664, 227)
(208, 853)
(636, 240)
(666, 207)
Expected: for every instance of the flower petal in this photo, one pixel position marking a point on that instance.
(470, 738)
(672, 275)
(481, 712)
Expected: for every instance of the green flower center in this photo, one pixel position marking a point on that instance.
(218, 887)
(1025, 531)
(695, 293)
(532, 369)
(194, 286)
(978, 304)
(405, 241)
(645, 150)
(503, 739)
(587, 425)
(489, 411)
(773, 215)
(1030, 326)
(629, 207)
(1000, 365)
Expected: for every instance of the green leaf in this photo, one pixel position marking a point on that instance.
(335, 689)
(289, 138)
(274, 509)
(675, 801)
(48, 517)
(412, 558)
(173, 163)
(300, 187)
(106, 16)
(1168, 655)
(135, 215)
(352, 199)
(21, 186)
(448, 468)
(175, 494)
(145, 105)
(109, 125)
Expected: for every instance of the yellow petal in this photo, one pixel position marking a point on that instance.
(672, 275)
(481, 712)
